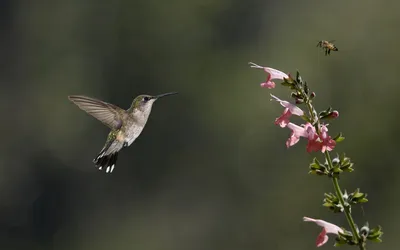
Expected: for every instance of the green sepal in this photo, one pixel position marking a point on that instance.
(357, 197)
(306, 88)
(337, 170)
(346, 163)
(285, 83)
(345, 237)
(325, 113)
(343, 163)
(377, 240)
(288, 80)
(375, 234)
(332, 202)
(298, 77)
(340, 241)
(316, 167)
(296, 95)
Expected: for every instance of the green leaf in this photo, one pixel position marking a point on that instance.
(348, 168)
(375, 232)
(326, 112)
(377, 240)
(342, 157)
(359, 196)
(337, 170)
(340, 241)
(346, 234)
(314, 166)
(316, 172)
(339, 137)
(327, 204)
(356, 193)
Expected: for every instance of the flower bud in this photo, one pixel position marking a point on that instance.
(335, 161)
(335, 114)
(364, 230)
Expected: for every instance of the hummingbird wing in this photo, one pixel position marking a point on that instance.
(107, 113)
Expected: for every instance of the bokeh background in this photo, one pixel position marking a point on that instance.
(210, 170)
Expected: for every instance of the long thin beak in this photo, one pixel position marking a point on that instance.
(166, 94)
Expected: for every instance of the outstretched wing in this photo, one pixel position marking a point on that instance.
(107, 113)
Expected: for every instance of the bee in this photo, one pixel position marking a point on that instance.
(327, 46)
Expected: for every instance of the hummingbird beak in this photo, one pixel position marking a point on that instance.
(166, 94)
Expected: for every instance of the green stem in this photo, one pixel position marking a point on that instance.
(346, 208)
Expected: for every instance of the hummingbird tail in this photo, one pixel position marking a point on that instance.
(106, 161)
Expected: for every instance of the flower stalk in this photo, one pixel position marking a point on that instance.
(316, 132)
(335, 182)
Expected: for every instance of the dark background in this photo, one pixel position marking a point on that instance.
(210, 170)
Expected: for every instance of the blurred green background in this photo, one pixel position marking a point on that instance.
(210, 170)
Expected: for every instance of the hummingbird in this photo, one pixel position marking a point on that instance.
(125, 125)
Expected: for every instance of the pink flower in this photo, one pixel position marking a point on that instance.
(306, 131)
(322, 142)
(328, 144)
(290, 109)
(272, 74)
(327, 228)
(314, 142)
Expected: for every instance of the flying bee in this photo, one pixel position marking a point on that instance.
(327, 46)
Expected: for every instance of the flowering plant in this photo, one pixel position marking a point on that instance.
(315, 131)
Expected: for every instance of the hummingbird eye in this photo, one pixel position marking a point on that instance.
(146, 98)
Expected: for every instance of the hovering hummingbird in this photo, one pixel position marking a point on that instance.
(125, 125)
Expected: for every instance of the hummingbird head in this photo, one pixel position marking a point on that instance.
(144, 103)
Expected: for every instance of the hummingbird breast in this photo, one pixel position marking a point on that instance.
(132, 133)
(134, 127)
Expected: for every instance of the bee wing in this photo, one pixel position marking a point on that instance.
(331, 41)
(109, 114)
